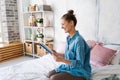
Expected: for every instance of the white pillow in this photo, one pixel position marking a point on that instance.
(116, 59)
(114, 47)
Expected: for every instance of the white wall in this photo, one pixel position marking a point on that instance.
(109, 21)
(0, 17)
(85, 11)
(91, 16)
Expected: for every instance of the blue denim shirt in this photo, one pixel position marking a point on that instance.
(78, 52)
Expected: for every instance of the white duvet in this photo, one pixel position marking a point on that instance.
(105, 72)
(37, 70)
(29, 70)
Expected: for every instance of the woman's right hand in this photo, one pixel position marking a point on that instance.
(57, 57)
(55, 53)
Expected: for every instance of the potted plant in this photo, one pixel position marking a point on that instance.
(39, 35)
(39, 22)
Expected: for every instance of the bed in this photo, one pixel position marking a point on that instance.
(106, 72)
(37, 69)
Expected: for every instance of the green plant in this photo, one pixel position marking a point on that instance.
(39, 20)
(40, 36)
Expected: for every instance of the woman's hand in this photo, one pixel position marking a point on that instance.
(58, 58)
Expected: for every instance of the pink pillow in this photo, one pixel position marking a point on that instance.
(92, 43)
(101, 56)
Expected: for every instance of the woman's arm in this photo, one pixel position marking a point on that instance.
(61, 54)
(66, 61)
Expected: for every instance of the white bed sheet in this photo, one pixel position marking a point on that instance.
(29, 70)
(105, 72)
(37, 70)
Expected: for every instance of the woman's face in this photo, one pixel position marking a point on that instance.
(67, 25)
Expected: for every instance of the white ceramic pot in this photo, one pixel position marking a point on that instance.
(39, 24)
(39, 39)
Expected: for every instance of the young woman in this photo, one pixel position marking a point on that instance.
(76, 56)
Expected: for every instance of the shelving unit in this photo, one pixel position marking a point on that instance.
(31, 29)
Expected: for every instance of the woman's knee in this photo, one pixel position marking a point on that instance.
(51, 73)
(54, 77)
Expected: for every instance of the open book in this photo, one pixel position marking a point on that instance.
(46, 48)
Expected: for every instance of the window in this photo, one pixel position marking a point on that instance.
(0, 27)
(0, 32)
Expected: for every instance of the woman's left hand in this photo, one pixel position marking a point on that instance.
(59, 58)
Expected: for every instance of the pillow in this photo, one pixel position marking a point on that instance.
(116, 59)
(101, 56)
(114, 47)
(92, 43)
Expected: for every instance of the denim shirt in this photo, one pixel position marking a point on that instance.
(78, 53)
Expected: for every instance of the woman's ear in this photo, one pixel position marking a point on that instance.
(72, 23)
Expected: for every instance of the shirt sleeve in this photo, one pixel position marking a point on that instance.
(80, 56)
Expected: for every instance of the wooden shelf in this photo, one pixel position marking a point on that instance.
(30, 30)
(45, 27)
(30, 12)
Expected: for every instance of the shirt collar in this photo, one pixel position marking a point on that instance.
(72, 37)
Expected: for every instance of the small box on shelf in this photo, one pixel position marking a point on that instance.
(31, 8)
(28, 47)
(50, 46)
(37, 7)
(45, 7)
(39, 50)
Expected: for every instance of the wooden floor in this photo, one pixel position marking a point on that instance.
(15, 61)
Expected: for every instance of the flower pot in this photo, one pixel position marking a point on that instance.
(39, 39)
(39, 24)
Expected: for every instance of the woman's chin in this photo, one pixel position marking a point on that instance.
(65, 31)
